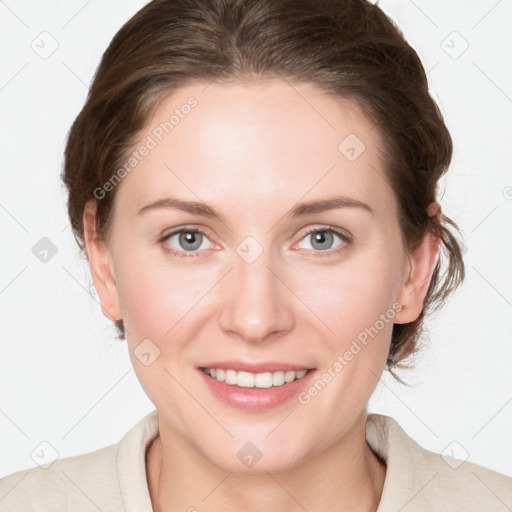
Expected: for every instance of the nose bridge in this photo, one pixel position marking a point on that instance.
(257, 304)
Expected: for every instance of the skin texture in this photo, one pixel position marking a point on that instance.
(252, 151)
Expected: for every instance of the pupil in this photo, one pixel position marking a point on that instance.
(321, 237)
(190, 238)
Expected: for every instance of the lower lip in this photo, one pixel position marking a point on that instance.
(255, 399)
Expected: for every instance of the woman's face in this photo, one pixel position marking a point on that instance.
(249, 169)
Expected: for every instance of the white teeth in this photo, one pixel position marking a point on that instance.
(245, 380)
(278, 378)
(251, 380)
(289, 376)
(230, 377)
(263, 380)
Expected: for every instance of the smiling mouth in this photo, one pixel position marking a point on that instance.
(254, 380)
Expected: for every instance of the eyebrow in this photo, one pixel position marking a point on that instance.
(299, 210)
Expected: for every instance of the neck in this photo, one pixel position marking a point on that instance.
(346, 476)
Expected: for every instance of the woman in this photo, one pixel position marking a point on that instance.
(254, 185)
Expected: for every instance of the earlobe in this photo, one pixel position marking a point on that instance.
(418, 273)
(100, 263)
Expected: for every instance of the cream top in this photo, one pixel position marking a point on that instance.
(113, 479)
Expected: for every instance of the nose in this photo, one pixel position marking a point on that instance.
(258, 305)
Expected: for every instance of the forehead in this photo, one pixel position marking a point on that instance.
(266, 143)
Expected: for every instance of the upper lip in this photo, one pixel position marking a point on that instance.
(255, 367)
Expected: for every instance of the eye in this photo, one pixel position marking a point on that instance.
(185, 240)
(188, 242)
(322, 239)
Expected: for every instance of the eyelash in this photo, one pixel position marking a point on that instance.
(327, 229)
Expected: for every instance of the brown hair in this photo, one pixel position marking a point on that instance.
(347, 48)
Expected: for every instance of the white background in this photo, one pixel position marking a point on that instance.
(63, 377)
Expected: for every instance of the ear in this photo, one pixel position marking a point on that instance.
(100, 263)
(418, 272)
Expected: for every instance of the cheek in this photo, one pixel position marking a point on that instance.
(159, 299)
(356, 303)
(146, 302)
(158, 305)
(350, 298)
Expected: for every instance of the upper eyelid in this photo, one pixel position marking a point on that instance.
(201, 230)
(335, 230)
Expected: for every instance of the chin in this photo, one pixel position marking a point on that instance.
(244, 457)
(261, 467)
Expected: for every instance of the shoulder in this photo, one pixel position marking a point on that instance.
(419, 479)
(85, 482)
(468, 485)
(112, 479)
